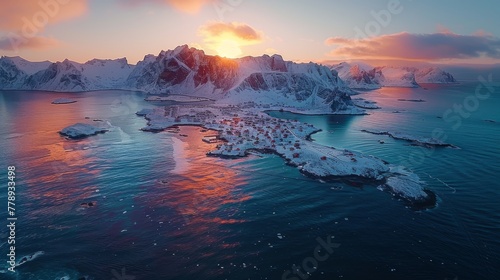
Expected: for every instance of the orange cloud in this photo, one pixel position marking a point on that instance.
(409, 46)
(16, 42)
(228, 38)
(16, 15)
(186, 6)
(240, 31)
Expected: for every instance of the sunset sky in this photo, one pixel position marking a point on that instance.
(430, 31)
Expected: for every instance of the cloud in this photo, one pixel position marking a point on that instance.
(271, 51)
(239, 31)
(186, 6)
(16, 15)
(228, 38)
(436, 46)
(15, 42)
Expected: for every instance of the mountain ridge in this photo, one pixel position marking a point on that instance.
(364, 76)
(269, 80)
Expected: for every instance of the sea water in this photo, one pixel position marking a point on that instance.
(163, 210)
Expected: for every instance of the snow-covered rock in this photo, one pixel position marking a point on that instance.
(358, 76)
(11, 77)
(396, 77)
(363, 76)
(106, 73)
(28, 67)
(365, 104)
(432, 75)
(81, 130)
(59, 76)
(416, 140)
(63, 101)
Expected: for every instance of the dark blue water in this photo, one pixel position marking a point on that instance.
(163, 210)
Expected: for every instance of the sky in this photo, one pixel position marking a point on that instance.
(446, 32)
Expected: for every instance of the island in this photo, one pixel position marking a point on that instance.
(63, 101)
(245, 128)
(81, 130)
(415, 140)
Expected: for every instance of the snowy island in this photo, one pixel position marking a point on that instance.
(63, 101)
(81, 130)
(415, 140)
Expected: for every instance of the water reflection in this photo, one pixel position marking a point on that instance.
(53, 168)
(201, 189)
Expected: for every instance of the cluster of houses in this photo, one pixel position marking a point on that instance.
(259, 132)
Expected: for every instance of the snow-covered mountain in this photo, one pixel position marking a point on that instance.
(265, 79)
(11, 77)
(17, 73)
(432, 75)
(359, 75)
(363, 76)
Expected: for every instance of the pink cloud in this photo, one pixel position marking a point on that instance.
(417, 46)
(15, 42)
(187, 6)
(443, 29)
(16, 15)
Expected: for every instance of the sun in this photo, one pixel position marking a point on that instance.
(228, 48)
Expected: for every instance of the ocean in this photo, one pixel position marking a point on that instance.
(162, 209)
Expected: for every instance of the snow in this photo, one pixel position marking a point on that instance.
(421, 141)
(66, 76)
(432, 75)
(365, 104)
(81, 130)
(176, 98)
(397, 77)
(63, 101)
(106, 74)
(29, 67)
(359, 75)
(406, 186)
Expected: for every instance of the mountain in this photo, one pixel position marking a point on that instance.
(363, 76)
(266, 79)
(17, 73)
(11, 77)
(432, 75)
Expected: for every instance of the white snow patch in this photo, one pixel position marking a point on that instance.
(80, 130)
